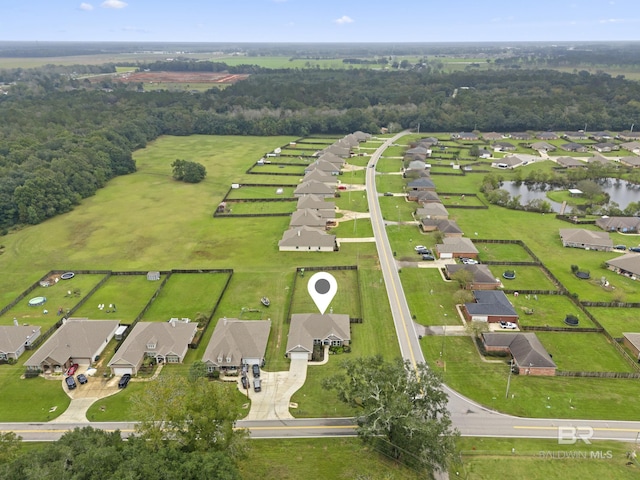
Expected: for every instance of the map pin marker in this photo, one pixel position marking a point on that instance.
(322, 287)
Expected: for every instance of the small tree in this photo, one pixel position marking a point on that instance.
(464, 278)
(190, 172)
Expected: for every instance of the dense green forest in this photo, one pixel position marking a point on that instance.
(62, 138)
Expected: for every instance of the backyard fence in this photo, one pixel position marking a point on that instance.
(560, 373)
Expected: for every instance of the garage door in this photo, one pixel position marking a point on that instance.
(480, 318)
(122, 370)
(446, 255)
(299, 356)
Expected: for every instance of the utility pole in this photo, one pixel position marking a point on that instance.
(506, 395)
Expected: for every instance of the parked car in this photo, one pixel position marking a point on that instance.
(634, 249)
(508, 325)
(124, 381)
(388, 194)
(256, 370)
(620, 247)
(257, 385)
(71, 383)
(420, 247)
(245, 382)
(72, 369)
(469, 261)
(424, 251)
(82, 379)
(428, 257)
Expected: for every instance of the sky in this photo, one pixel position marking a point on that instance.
(319, 20)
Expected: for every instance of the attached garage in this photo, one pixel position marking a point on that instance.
(299, 356)
(480, 318)
(446, 255)
(119, 371)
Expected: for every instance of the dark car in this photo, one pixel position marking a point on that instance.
(256, 370)
(388, 194)
(424, 251)
(620, 247)
(428, 258)
(124, 381)
(71, 383)
(245, 382)
(257, 385)
(82, 379)
(634, 249)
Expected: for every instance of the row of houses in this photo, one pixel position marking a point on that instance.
(576, 135)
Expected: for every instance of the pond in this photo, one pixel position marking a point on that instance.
(620, 191)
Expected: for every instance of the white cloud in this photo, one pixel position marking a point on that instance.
(343, 20)
(113, 4)
(87, 7)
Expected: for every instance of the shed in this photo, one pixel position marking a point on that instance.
(153, 276)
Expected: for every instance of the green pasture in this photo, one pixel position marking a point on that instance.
(358, 228)
(430, 298)
(253, 191)
(390, 183)
(395, 152)
(588, 352)
(271, 168)
(389, 165)
(248, 208)
(359, 161)
(346, 300)
(557, 397)
(502, 252)
(527, 277)
(453, 202)
(458, 184)
(293, 458)
(128, 293)
(617, 321)
(397, 209)
(355, 201)
(355, 177)
(64, 294)
(485, 458)
(548, 310)
(186, 294)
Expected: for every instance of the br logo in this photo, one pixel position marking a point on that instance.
(571, 435)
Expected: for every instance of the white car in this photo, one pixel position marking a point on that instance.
(508, 325)
(417, 248)
(469, 261)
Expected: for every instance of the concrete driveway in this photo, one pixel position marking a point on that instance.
(272, 403)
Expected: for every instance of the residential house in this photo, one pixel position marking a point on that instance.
(454, 247)
(418, 151)
(492, 136)
(323, 166)
(315, 202)
(78, 340)
(491, 306)
(546, 136)
(574, 147)
(633, 147)
(629, 136)
(307, 239)
(503, 147)
(428, 141)
(362, 136)
(466, 136)
(235, 343)
(579, 135)
(520, 136)
(432, 211)
(632, 342)
(309, 218)
(601, 136)
(542, 146)
(318, 175)
(484, 153)
(312, 187)
(349, 140)
(587, 239)
(422, 183)
(482, 278)
(424, 196)
(570, 162)
(309, 329)
(514, 161)
(15, 339)
(417, 165)
(447, 227)
(528, 354)
(331, 158)
(164, 342)
(627, 265)
(604, 147)
(619, 224)
(633, 162)
(338, 150)
(597, 158)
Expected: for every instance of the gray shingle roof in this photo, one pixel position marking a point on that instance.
(481, 273)
(629, 262)
(526, 349)
(13, 337)
(237, 339)
(306, 237)
(305, 327)
(490, 302)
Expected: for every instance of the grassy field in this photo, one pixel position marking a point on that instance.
(527, 277)
(548, 310)
(540, 459)
(430, 298)
(617, 321)
(252, 208)
(503, 252)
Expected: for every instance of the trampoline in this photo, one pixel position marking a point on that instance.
(67, 276)
(583, 275)
(571, 320)
(36, 301)
(509, 274)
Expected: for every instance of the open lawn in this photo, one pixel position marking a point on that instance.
(390, 183)
(356, 201)
(617, 321)
(253, 208)
(186, 294)
(397, 209)
(587, 352)
(463, 200)
(502, 252)
(527, 277)
(346, 300)
(359, 228)
(296, 458)
(558, 397)
(253, 191)
(272, 168)
(548, 310)
(430, 298)
(30, 399)
(389, 165)
(540, 459)
(403, 239)
(65, 294)
(127, 293)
